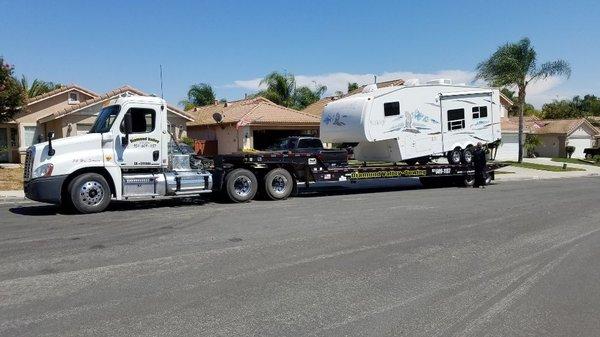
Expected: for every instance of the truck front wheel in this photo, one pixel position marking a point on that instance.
(89, 193)
(241, 185)
(279, 184)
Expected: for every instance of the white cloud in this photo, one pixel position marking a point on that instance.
(538, 92)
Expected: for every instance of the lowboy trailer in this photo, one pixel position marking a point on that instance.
(126, 156)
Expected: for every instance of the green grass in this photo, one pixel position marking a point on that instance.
(574, 161)
(551, 168)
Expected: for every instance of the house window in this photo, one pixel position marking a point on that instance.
(14, 137)
(29, 136)
(391, 109)
(480, 112)
(73, 97)
(142, 120)
(456, 119)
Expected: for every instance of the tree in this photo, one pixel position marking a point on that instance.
(201, 94)
(12, 95)
(352, 86)
(280, 88)
(514, 65)
(577, 107)
(531, 142)
(304, 96)
(38, 87)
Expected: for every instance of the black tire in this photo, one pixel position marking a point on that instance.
(468, 181)
(278, 184)
(455, 156)
(467, 155)
(410, 162)
(241, 185)
(89, 193)
(423, 160)
(488, 179)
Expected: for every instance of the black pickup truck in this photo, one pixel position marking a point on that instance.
(312, 145)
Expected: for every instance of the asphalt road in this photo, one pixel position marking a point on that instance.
(515, 259)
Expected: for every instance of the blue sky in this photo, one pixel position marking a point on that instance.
(230, 44)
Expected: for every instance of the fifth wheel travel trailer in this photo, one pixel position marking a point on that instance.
(414, 123)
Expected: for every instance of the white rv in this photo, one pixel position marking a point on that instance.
(414, 123)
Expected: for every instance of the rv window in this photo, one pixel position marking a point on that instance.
(480, 112)
(456, 119)
(391, 109)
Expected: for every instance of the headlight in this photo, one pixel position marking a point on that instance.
(43, 171)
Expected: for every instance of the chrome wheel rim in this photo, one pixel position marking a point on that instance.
(468, 156)
(279, 184)
(455, 156)
(91, 193)
(242, 186)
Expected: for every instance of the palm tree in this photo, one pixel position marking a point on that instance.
(514, 65)
(352, 86)
(280, 88)
(304, 96)
(38, 87)
(201, 94)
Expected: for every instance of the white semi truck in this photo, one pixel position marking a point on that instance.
(414, 123)
(127, 156)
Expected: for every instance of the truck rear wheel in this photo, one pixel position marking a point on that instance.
(279, 184)
(241, 185)
(89, 193)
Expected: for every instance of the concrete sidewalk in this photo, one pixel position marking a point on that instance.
(511, 173)
(9, 196)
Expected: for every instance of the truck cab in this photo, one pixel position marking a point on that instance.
(125, 155)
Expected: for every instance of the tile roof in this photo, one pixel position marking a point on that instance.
(545, 126)
(58, 91)
(561, 126)
(254, 111)
(106, 96)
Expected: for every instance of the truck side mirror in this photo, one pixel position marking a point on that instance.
(51, 151)
(127, 128)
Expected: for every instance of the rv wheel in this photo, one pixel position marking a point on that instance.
(467, 155)
(454, 156)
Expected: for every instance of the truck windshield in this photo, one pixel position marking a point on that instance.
(105, 119)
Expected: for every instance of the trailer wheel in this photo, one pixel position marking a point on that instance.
(241, 185)
(454, 156)
(488, 178)
(279, 184)
(467, 155)
(89, 193)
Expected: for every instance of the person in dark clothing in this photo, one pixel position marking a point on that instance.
(479, 163)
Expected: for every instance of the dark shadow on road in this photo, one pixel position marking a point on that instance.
(115, 206)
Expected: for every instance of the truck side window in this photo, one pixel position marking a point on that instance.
(142, 120)
(479, 112)
(391, 109)
(456, 119)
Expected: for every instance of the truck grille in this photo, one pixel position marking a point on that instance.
(28, 164)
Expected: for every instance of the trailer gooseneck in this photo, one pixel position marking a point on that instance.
(126, 156)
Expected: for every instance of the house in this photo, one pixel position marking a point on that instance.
(254, 123)
(556, 134)
(67, 111)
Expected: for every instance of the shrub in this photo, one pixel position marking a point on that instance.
(596, 159)
(569, 149)
(531, 142)
(189, 141)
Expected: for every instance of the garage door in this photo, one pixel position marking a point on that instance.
(580, 144)
(509, 150)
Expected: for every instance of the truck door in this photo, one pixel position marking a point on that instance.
(141, 148)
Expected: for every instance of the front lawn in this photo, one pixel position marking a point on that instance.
(574, 161)
(552, 168)
(11, 179)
